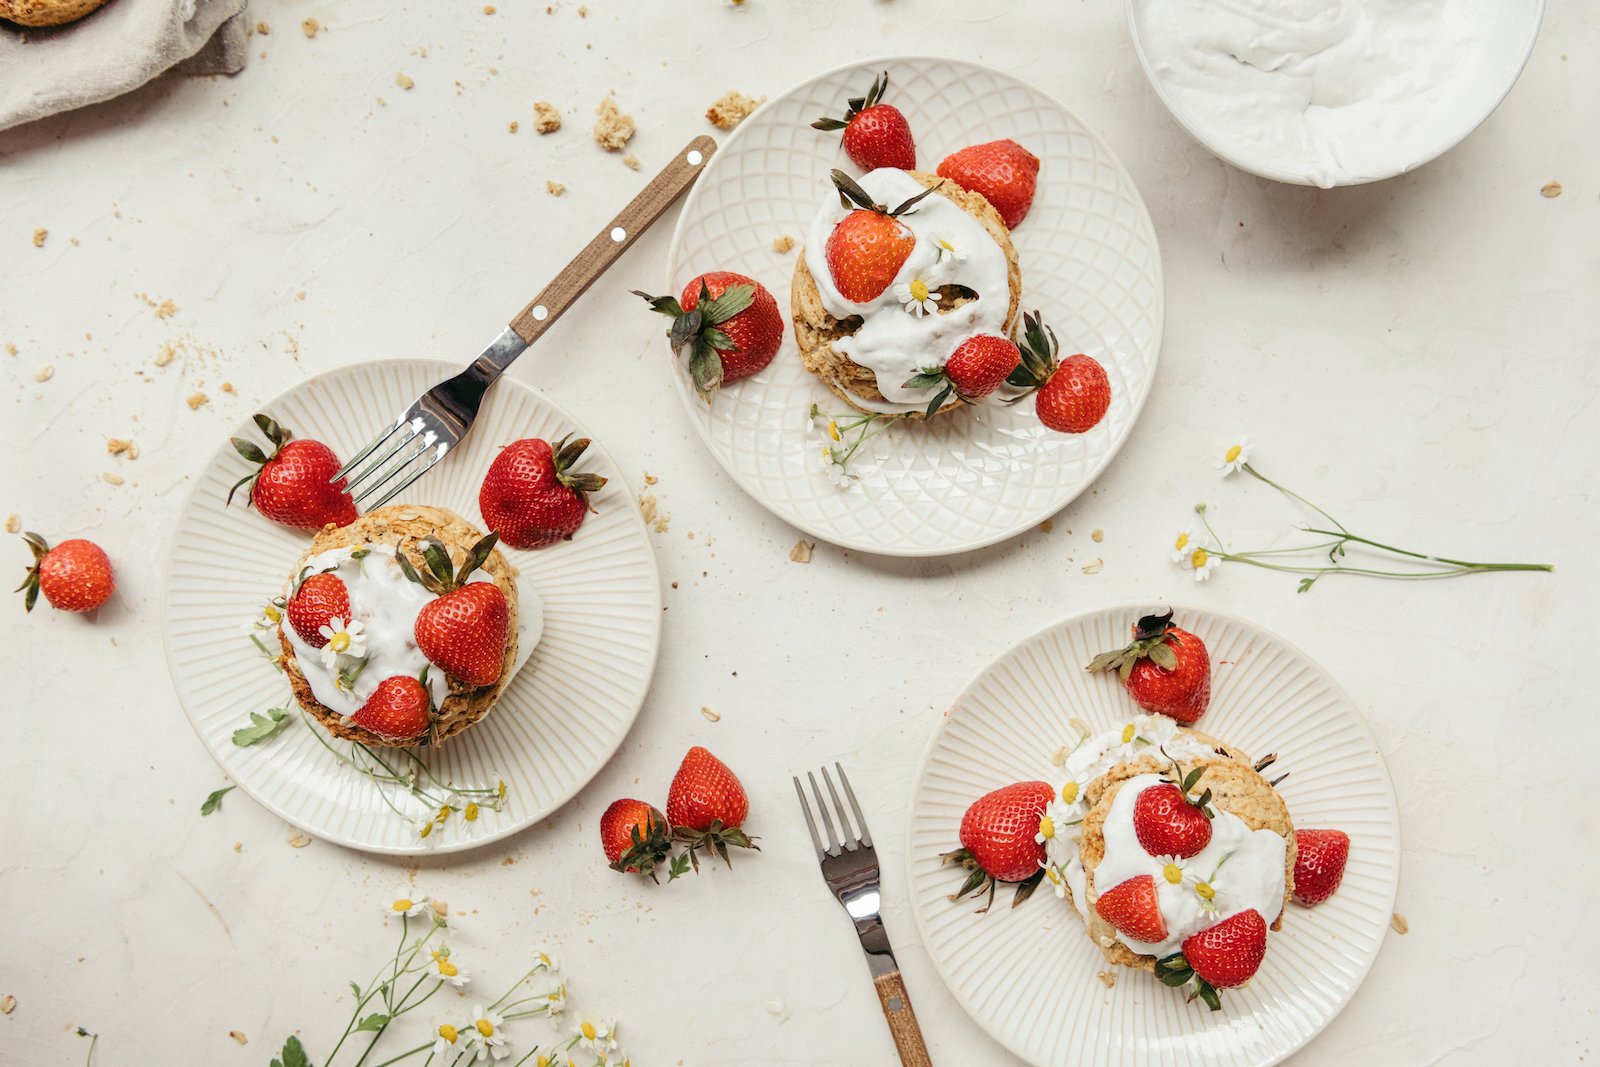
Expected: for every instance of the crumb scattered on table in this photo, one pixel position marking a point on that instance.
(1097, 536)
(511, 127)
(710, 715)
(298, 840)
(653, 516)
(8, 1004)
(404, 81)
(168, 353)
(801, 552)
(1047, 525)
(263, 29)
(554, 188)
(11, 349)
(39, 236)
(238, 846)
(310, 27)
(631, 162)
(44, 373)
(1550, 190)
(1399, 924)
(489, 9)
(122, 446)
(1094, 566)
(238, 1036)
(196, 400)
(782, 244)
(732, 108)
(227, 387)
(13, 523)
(111, 479)
(583, 12)
(650, 479)
(612, 129)
(546, 119)
(1107, 978)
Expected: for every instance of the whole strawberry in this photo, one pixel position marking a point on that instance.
(1218, 957)
(998, 841)
(1134, 909)
(1169, 822)
(635, 836)
(875, 134)
(74, 576)
(314, 604)
(1003, 171)
(463, 631)
(400, 709)
(1320, 856)
(532, 497)
(294, 485)
(869, 245)
(1070, 395)
(707, 805)
(1166, 669)
(727, 327)
(974, 370)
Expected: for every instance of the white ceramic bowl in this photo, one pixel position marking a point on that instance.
(1332, 92)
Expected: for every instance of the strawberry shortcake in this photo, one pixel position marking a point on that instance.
(403, 627)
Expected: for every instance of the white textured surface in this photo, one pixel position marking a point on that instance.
(1028, 975)
(977, 475)
(1418, 355)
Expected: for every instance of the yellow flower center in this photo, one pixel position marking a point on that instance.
(444, 813)
(448, 1032)
(272, 613)
(1172, 873)
(484, 1027)
(470, 813)
(1182, 542)
(1198, 558)
(403, 904)
(1127, 733)
(833, 430)
(427, 828)
(500, 789)
(588, 1030)
(1232, 454)
(544, 958)
(919, 290)
(1047, 826)
(448, 969)
(542, 1061)
(1050, 873)
(1069, 792)
(339, 642)
(1204, 891)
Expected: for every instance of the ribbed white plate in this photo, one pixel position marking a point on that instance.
(1089, 262)
(1028, 975)
(553, 728)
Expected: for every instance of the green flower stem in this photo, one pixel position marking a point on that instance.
(1291, 494)
(377, 1034)
(408, 1054)
(1464, 564)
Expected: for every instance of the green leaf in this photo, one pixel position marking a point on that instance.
(679, 867)
(938, 401)
(293, 1054)
(437, 558)
(373, 1022)
(408, 569)
(733, 300)
(665, 304)
(685, 328)
(829, 124)
(271, 430)
(261, 727)
(705, 367)
(478, 556)
(355, 990)
(1163, 656)
(248, 450)
(906, 206)
(214, 801)
(1191, 778)
(717, 339)
(924, 380)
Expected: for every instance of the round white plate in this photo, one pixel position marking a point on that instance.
(558, 721)
(1089, 262)
(1028, 975)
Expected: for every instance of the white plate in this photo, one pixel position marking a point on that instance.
(1028, 975)
(1089, 262)
(553, 728)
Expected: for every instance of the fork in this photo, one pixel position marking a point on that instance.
(850, 867)
(436, 421)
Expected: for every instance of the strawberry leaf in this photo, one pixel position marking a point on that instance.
(214, 800)
(705, 368)
(924, 380)
(718, 340)
(938, 401)
(270, 428)
(1162, 656)
(905, 207)
(685, 328)
(734, 299)
(829, 124)
(477, 557)
(667, 305)
(248, 450)
(438, 558)
(408, 569)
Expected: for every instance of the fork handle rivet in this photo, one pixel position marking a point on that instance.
(695, 158)
(540, 312)
(896, 1004)
(618, 234)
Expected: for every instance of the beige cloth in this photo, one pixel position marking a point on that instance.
(114, 50)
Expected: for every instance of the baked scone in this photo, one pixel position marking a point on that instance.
(865, 353)
(384, 602)
(46, 12)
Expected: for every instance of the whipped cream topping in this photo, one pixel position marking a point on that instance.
(952, 248)
(1243, 867)
(386, 603)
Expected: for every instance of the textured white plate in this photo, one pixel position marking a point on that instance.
(1028, 975)
(553, 728)
(1089, 262)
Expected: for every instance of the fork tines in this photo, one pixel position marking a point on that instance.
(409, 434)
(845, 839)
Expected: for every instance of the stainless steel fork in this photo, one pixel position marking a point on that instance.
(850, 867)
(436, 421)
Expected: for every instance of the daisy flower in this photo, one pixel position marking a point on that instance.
(344, 639)
(271, 615)
(1172, 868)
(945, 246)
(596, 1035)
(1047, 829)
(1182, 544)
(557, 999)
(546, 961)
(487, 1035)
(1234, 456)
(918, 299)
(446, 1039)
(447, 971)
(838, 476)
(405, 901)
(1203, 563)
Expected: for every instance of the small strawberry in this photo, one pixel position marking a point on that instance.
(463, 631)
(636, 837)
(1133, 908)
(1166, 670)
(532, 497)
(318, 599)
(1218, 957)
(1169, 822)
(1070, 395)
(1320, 856)
(400, 709)
(875, 134)
(998, 841)
(869, 246)
(727, 327)
(74, 576)
(1003, 171)
(707, 805)
(973, 371)
(294, 485)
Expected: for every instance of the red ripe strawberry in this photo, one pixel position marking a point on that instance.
(1003, 171)
(997, 841)
(1168, 823)
(635, 836)
(1166, 670)
(1134, 909)
(707, 805)
(869, 246)
(463, 632)
(727, 327)
(1070, 395)
(400, 709)
(74, 576)
(973, 371)
(294, 485)
(1320, 856)
(532, 497)
(319, 598)
(1229, 953)
(875, 134)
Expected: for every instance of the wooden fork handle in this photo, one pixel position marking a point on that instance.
(618, 235)
(902, 1020)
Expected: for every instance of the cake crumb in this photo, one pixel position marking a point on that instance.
(39, 236)
(1399, 924)
(554, 188)
(782, 244)
(1550, 190)
(1097, 536)
(310, 27)
(1107, 978)
(263, 29)
(381, 101)
(612, 129)
(238, 846)
(111, 479)
(1094, 566)
(546, 119)
(489, 9)
(509, 861)
(122, 446)
(168, 353)
(653, 517)
(710, 716)
(298, 840)
(650, 479)
(583, 12)
(732, 108)
(166, 309)
(1047, 525)
(8, 1004)
(195, 400)
(511, 127)
(44, 373)
(404, 81)
(238, 1037)
(13, 523)
(631, 162)
(227, 387)
(11, 349)
(801, 552)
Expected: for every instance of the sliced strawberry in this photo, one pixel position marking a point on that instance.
(400, 709)
(869, 245)
(1134, 909)
(1320, 856)
(1004, 172)
(319, 599)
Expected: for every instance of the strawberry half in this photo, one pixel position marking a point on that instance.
(74, 576)
(294, 485)
(400, 709)
(1070, 395)
(1134, 909)
(707, 805)
(317, 599)
(636, 837)
(463, 631)
(1166, 670)
(1320, 856)
(974, 370)
(1218, 957)
(725, 325)
(1168, 822)
(869, 246)
(1004, 172)
(875, 134)
(532, 497)
(997, 841)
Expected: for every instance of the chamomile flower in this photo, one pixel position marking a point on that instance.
(271, 615)
(596, 1035)
(917, 298)
(446, 1040)
(405, 901)
(424, 829)
(1057, 882)
(838, 476)
(557, 999)
(344, 639)
(1203, 563)
(1047, 829)
(944, 245)
(1234, 456)
(546, 962)
(445, 970)
(487, 1035)
(1183, 544)
(1173, 869)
